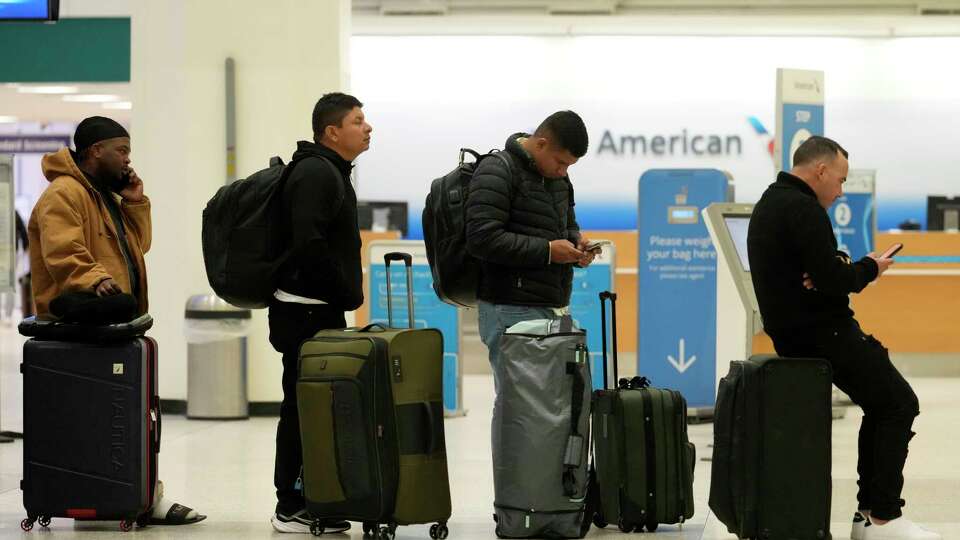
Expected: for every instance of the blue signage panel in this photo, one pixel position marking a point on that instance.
(853, 222)
(25, 9)
(800, 122)
(36, 144)
(429, 311)
(677, 282)
(588, 283)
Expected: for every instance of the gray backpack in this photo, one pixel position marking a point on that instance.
(541, 432)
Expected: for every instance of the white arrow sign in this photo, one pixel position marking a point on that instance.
(684, 363)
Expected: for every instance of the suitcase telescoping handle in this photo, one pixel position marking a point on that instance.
(604, 296)
(408, 263)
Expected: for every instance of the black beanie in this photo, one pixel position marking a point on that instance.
(95, 129)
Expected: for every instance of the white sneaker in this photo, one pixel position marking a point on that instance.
(860, 524)
(295, 523)
(899, 529)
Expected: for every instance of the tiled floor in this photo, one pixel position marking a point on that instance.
(225, 470)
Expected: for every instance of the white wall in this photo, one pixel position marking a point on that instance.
(97, 8)
(890, 102)
(287, 53)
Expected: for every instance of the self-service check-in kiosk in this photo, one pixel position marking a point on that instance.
(738, 314)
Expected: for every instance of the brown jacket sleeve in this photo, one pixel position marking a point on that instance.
(62, 243)
(139, 214)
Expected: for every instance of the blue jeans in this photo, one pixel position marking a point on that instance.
(494, 319)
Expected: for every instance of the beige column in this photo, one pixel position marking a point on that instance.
(287, 53)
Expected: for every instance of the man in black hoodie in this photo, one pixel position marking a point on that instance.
(803, 285)
(322, 278)
(522, 227)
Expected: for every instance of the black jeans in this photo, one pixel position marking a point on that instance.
(290, 325)
(862, 369)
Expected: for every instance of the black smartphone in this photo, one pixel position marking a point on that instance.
(891, 251)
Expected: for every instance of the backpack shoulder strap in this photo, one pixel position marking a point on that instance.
(341, 190)
(504, 156)
(288, 169)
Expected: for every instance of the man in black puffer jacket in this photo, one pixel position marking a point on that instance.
(522, 227)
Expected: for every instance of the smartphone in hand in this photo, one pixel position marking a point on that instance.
(595, 246)
(891, 251)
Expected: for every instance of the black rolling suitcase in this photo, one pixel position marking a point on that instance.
(91, 422)
(643, 457)
(771, 453)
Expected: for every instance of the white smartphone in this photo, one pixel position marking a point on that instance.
(891, 251)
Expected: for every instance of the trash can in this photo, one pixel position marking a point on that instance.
(216, 358)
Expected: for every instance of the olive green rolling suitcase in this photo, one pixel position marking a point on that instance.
(371, 421)
(643, 458)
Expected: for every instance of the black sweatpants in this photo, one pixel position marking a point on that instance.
(862, 369)
(290, 325)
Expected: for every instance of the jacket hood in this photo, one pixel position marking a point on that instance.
(62, 163)
(312, 149)
(517, 151)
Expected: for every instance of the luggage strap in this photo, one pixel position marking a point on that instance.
(651, 445)
(532, 511)
(573, 455)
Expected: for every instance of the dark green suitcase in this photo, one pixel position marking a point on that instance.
(643, 457)
(771, 449)
(371, 421)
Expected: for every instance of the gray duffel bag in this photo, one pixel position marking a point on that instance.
(541, 431)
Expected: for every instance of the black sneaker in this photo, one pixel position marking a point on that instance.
(300, 522)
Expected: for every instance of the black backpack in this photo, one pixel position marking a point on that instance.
(243, 242)
(456, 274)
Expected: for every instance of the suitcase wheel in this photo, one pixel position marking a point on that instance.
(369, 529)
(625, 526)
(26, 524)
(44, 521)
(439, 531)
(126, 525)
(388, 532)
(599, 521)
(651, 526)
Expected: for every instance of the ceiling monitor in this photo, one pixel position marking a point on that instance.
(29, 10)
(943, 213)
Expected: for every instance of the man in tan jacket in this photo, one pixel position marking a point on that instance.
(88, 234)
(81, 237)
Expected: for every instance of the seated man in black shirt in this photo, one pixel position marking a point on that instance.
(802, 283)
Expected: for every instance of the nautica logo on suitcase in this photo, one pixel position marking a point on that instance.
(118, 439)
